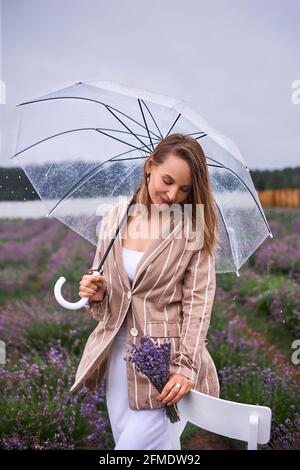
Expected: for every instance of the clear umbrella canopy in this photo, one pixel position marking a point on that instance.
(84, 146)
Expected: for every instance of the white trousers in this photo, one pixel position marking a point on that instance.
(132, 429)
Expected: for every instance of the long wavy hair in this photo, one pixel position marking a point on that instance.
(189, 149)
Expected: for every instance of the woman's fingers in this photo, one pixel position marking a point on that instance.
(89, 290)
(89, 280)
(170, 393)
(86, 291)
(92, 285)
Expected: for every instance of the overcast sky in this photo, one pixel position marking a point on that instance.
(234, 61)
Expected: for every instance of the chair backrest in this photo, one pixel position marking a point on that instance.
(249, 423)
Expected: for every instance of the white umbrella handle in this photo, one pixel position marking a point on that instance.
(64, 303)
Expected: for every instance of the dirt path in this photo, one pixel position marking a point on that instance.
(205, 440)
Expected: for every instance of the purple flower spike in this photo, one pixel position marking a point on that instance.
(153, 360)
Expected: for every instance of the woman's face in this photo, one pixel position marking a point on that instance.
(171, 181)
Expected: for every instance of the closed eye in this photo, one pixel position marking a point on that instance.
(184, 190)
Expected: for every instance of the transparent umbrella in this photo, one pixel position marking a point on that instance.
(84, 146)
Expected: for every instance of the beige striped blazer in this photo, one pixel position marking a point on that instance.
(171, 296)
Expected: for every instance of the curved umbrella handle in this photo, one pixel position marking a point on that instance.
(60, 282)
(64, 303)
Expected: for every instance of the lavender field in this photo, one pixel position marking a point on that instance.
(255, 320)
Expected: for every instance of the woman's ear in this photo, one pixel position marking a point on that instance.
(149, 164)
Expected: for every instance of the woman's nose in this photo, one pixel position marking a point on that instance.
(172, 197)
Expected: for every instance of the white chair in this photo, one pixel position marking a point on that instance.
(249, 423)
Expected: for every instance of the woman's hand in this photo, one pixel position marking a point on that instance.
(171, 394)
(93, 287)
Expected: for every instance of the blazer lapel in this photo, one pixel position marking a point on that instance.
(154, 248)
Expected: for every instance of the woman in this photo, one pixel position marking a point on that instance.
(163, 286)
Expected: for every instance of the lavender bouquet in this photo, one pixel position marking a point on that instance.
(152, 360)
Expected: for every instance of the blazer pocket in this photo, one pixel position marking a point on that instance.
(163, 329)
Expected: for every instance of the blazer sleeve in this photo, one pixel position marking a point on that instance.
(98, 309)
(199, 288)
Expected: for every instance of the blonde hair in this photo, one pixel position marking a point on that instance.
(188, 149)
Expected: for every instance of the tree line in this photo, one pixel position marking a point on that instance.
(15, 186)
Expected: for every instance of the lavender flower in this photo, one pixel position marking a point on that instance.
(152, 360)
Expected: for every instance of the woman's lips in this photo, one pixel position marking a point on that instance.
(164, 201)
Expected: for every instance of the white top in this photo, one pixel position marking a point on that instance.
(131, 259)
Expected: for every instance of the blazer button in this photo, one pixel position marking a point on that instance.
(128, 294)
(134, 331)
